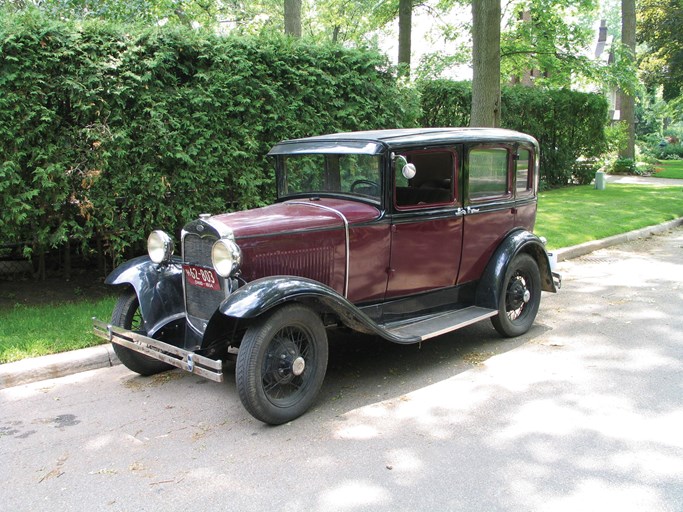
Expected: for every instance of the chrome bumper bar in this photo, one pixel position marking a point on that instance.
(175, 356)
(557, 279)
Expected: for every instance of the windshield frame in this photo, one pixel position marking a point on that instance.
(342, 181)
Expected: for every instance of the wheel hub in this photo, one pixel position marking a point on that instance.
(298, 366)
(291, 364)
(518, 294)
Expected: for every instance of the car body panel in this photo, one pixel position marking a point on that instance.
(368, 261)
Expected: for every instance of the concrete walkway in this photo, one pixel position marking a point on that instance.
(59, 365)
(643, 180)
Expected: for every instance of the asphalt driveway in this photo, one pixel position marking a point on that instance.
(583, 413)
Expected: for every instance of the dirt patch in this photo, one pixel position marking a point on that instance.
(83, 285)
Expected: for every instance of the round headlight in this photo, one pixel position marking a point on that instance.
(159, 247)
(226, 257)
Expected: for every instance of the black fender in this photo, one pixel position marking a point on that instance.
(261, 295)
(520, 241)
(159, 289)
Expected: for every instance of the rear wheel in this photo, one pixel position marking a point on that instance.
(520, 297)
(127, 315)
(281, 364)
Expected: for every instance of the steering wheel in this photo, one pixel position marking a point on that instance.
(372, 186)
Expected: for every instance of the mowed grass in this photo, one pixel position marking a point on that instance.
(573, 215)
(566, 217)
(669, 169)
(30, 331)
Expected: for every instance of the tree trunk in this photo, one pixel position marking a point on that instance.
(628, 39)
(405, 25)
(485, 63)
(293, 17)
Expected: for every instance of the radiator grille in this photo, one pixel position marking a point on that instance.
(199, 302)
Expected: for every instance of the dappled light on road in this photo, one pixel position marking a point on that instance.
(583, 413)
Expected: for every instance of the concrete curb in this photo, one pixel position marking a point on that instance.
(102, 356)
(56, 365)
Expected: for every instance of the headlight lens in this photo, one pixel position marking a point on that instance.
(159, 247)
(226, 257)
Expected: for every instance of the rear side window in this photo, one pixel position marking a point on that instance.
(488, 172)
(523, 173)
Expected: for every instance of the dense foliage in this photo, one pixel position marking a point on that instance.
(660, 27)
(568, 125)
(106, 134)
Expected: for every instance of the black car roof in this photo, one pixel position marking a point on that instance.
(371, 141)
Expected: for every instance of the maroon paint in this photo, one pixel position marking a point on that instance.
(425, 255)
(304, 238)
(483, 232)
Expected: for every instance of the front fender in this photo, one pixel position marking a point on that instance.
(489, 287)
(257, 297)
(262, 295)
(159, 289)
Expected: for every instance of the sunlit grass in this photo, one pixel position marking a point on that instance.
(669, 169)
(30, 331)
(573, 215)
(566, 217)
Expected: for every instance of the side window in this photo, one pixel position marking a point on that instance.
(432, 183)
(488, 170)
(524, 173)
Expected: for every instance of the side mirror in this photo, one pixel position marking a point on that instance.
(408, 170)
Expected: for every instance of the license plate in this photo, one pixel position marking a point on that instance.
(202, 277)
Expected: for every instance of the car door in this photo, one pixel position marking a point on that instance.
(490, 208)
(426, 225)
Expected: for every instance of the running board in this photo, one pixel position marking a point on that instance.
(436, 325)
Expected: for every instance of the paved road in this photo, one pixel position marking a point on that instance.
(583, 413)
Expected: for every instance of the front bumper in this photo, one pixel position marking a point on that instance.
(557, 279)
(189, 361)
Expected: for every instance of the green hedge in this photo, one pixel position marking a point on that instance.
(107, 132)
(567, 124)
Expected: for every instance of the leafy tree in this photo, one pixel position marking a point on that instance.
(548, 36)
(627, 107)
(660, 28)
(405, 13)
(183, 12)
(293, 18)
(486, 63)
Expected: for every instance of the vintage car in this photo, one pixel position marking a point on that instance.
(404, 234)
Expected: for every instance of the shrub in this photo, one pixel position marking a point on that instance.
(107, 131)
(567, 124)
(669, 152)
(583, 171)
(623, 166)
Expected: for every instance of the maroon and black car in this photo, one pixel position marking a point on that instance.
(405, 234)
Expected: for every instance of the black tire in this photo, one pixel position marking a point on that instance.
(127, 315)
(281, 364)
(520, 297)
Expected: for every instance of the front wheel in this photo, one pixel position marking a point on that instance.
(281, 364)
(520, 297)
(127, 315)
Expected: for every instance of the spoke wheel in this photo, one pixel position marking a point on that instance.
(127, 315)
(520, 297)
(281, 364)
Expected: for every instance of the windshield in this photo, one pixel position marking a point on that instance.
(331, 174)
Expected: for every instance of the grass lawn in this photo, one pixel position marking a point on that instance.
(566, 217)
(669, 169)
(573, 215)
(29, 331)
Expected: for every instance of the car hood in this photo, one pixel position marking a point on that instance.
(297, 215)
